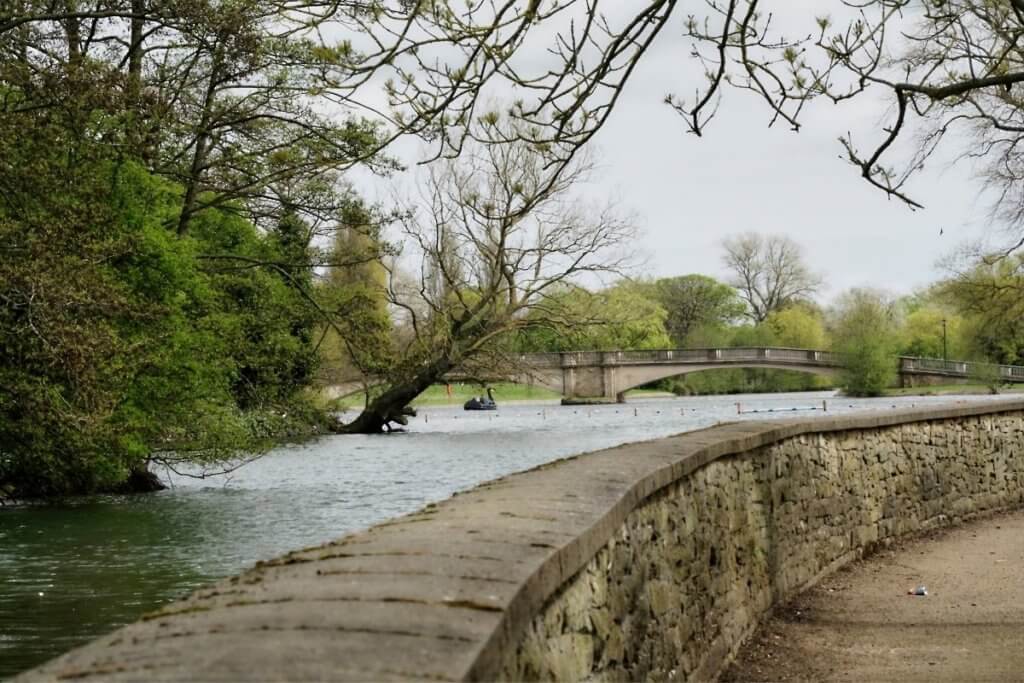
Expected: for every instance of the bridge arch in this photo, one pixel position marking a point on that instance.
(631, 377)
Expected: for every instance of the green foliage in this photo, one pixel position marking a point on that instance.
(119, 340)
(865, 333)
(745, 381)
(698, 307)
(359, 341)
(799, 327)
(922, 334)
(620, 317)
(988, 293)
(158, 196)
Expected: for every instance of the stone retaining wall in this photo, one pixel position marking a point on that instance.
(687, 575)
(646, 561)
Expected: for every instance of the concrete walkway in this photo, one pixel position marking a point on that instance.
(861, 625)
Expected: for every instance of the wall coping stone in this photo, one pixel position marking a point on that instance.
(442, 592)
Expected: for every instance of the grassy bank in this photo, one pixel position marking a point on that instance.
(504, 392)
(437, 395)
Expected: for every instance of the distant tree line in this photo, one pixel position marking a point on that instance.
(768, 302)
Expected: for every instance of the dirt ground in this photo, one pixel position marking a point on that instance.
(860, 624)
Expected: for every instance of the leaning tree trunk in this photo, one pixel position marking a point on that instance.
(393, 404)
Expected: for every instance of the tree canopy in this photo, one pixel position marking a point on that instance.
(697, 306)
(864, 332)
(165, 186)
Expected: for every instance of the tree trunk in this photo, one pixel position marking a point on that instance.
(138, 25)
(199, 156)
(72, 27)
(188, 205)
(141, 480)
(139, 129)
(391, 405)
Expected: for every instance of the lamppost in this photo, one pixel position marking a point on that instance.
(943, 340)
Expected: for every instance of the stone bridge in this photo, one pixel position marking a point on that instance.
(607, 375)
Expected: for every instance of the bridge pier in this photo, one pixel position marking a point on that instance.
(568, 379)
(590, 378)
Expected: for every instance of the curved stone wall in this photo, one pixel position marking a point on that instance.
(650, 560)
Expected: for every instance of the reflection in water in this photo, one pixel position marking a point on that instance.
(71, 572)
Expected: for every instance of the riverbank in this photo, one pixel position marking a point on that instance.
(504, 392)
(956, 390)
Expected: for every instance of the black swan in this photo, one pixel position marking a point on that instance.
(477, 403)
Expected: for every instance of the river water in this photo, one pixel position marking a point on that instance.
(73, 571)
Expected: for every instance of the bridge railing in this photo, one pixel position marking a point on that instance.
(661, 356)
(1012, 372)
(541, 360)
(907, 364)
(952, 367)
(738, 354)
(786, 355)
(962, 368)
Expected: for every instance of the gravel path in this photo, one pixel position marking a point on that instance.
(861, 625)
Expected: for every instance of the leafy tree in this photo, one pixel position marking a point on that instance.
(864, 331)
(167, 183)
(933, 332)
(120, 341)
(220, 98)
(799, 327)
(987, 291)
(697, 306)
(358, 344)
(616, 318)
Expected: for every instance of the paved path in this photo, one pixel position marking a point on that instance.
(860, 624)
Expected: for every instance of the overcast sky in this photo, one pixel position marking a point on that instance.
(691, 192)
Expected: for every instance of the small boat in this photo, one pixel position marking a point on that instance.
(478, 403)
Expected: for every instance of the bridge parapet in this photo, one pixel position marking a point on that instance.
(643, 357)
(959, 368)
